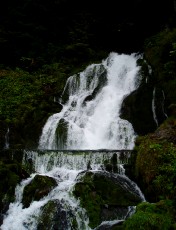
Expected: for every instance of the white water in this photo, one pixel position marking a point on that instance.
(64, 167)
(95, 124)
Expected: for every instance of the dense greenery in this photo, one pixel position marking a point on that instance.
(152, 216)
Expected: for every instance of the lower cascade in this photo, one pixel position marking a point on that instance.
(73, 190)
(77, 177)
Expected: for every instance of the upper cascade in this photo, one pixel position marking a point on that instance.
(91, 108)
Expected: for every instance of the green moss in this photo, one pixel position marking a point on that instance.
(53, 214)
(155, 166)
(151, 216)
(160, 54)
(96, 191)
(39, 187)
(11, 173)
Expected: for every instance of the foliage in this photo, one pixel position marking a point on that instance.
(151, 216)
(156, 162)
(11, 173)
(27, 99)
(160, 54)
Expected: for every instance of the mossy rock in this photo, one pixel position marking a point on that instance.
(11, 173)
(100, 191)
(155, 164)
(151, 216)
(53, 216)
(39, 187)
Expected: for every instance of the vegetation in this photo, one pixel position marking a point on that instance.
(152, 216)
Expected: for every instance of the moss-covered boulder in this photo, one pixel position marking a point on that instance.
(39, 187)
(53, 216)
(152, 216)
(104, 194)
(155, 165)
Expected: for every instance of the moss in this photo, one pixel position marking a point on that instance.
(53, 214)
(151, 216)
(39, 187)
(97, 191)
(155, 167)
(11, 173)
(160, 53)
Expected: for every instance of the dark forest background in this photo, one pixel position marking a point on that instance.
(42, 31)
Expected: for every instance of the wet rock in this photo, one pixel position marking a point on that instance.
(39, 187)
(11, 173)
(137, 109)
(105, 196)
(54, 216)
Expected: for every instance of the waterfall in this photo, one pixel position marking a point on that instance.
(82, 140)
(91, 103)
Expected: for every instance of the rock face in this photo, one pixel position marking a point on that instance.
(144, 108)
(39, 187)
(105, 196)
(137, 109)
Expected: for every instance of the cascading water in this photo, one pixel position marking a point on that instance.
(89, 120)
(90, 115)
(65, 168)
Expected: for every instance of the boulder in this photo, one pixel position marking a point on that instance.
(105, 196)
(39, 187)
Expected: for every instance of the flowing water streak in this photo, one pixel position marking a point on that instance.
(7, 139)
(163, 104)
(154, 107)
(91, 106)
